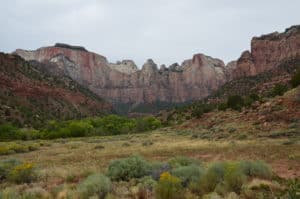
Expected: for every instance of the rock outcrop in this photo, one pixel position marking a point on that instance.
(194, 79)
(125, 66)
(124, 83)
(268, 51)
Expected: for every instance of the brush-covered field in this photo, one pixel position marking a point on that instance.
(164, 163)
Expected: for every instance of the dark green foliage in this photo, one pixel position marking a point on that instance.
(8, 131)
(278, 89)
(222, 106)
(147, 123)
(113, 125)
(107, 125)
(235, 102)
(295, 81)
(127, 168)
(198, 108)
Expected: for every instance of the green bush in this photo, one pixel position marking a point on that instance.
(222, 106)
(94, 185)
(293, 189)
(127, 168)
(197, 112)
(147, 123)
(213, 176)
(278, 89)
(188, 174)
(79, 128)
(235, 102)
(6, 166)
(23, 173)
(234, 178)
(295, 81)
(147, 183)
(248, 101)
(181, 161)
(8, 131)
(157, 168)
(169, 187)
(257, 169)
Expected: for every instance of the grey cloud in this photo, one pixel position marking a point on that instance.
(166, 30)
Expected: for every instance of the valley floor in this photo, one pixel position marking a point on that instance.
(70, 160)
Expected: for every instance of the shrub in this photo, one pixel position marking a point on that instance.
(213, 176)
(234, 178)
(23, 173)
(79, 128)
(197, 112)
(222, 106)
(188, 174)
(8, 131)
(295, 81)
(235, 102)
(147, 123)
(248, 101)
(29, 134)
(169, 187)
(256, 169)
(254, 97)
(180, 161)
(147, 183)
(278, 89)
(5, 150)
(19, 148)
(94, 185)
(127, 168)
(6, 166)
(157, 168)
(293, 189)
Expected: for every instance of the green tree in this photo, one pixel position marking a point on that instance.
(235, 102)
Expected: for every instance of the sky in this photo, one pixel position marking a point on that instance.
(167, 31)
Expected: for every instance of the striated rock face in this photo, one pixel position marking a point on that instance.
(194, 79)
(125, 66)
(268, 51)
(124, 83)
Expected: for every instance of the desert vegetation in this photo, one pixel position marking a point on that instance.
(107, 125)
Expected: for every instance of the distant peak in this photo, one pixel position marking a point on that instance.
(62, 45)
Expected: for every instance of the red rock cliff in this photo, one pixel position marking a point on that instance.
(268, 51)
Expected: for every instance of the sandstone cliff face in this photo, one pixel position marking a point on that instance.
(268, 51)
(124, 83)
(194, 79)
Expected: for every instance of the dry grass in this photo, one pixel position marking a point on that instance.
(78, 157)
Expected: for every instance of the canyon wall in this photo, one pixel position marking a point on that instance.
(194, 79)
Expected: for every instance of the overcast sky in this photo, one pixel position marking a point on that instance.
(167, 31)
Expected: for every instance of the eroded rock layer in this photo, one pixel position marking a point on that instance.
(194, 79)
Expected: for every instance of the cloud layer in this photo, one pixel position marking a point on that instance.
(166, 30)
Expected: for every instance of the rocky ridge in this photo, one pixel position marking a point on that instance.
(31, 95)
(196, 78)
